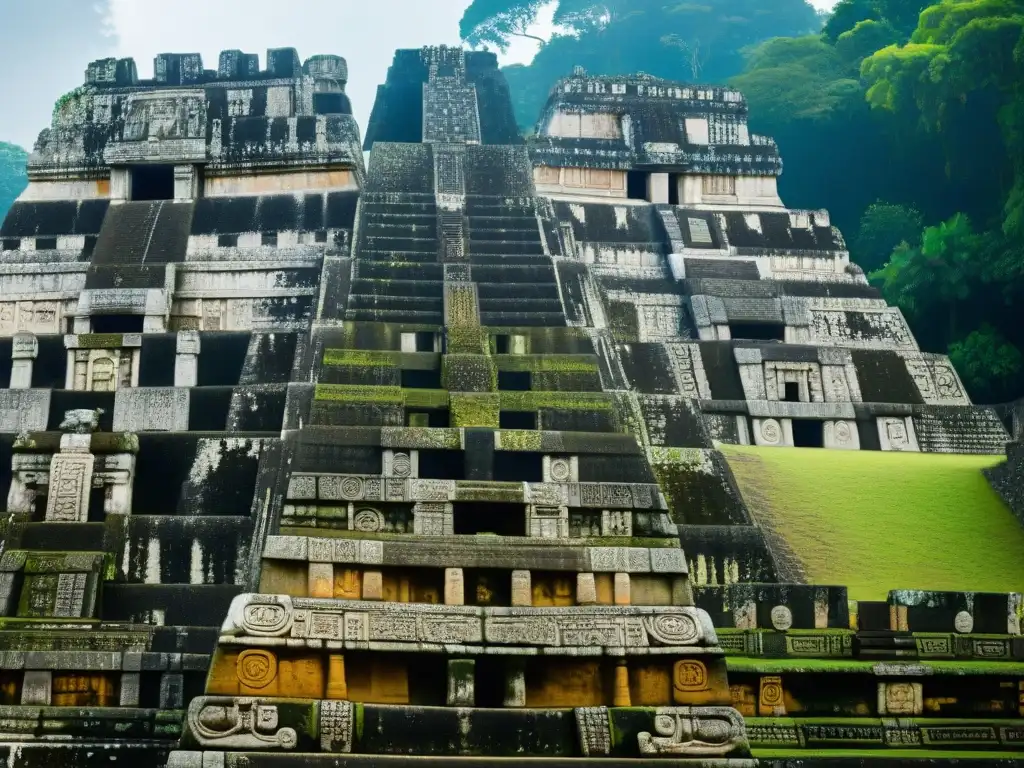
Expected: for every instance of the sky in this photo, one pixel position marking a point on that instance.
(45, 46)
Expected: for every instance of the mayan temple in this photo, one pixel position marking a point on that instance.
(468, 455)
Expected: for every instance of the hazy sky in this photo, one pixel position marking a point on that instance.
(45, 46)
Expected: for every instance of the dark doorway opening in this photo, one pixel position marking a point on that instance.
(517, 420)
(153, 182)
(421, 379)
(425, 341)
(518, 467)
(514, 381)
(471, 518)
(792, 394)
(758, 331)
(636, 185)
(442, 465)
(808, 433)
(673, 188)
(501, 344)
(116, 323)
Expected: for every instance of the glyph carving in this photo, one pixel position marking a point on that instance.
(243, 723)
(368, 520)
(337, 723)
(963, 623)
(782, 618)
(70, 483)
(595, 731)
(694, 731)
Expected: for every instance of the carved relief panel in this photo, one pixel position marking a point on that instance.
(104, 370)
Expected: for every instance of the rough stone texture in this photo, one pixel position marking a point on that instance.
(420, 461)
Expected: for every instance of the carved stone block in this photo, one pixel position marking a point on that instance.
(902, 699)
(70, 484)
(699, 732)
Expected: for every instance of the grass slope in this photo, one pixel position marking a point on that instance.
(876, 521)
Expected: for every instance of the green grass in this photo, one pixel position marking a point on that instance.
(875, 521)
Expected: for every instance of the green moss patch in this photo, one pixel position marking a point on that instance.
(469, 373)
(554, 363)
(357, 394)
(876, 521)
(532, 401)
(475, 410)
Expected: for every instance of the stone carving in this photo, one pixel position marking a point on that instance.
(595, 731)
(772, 699)
(771, 432)
(368, 520)
(900, 698)
(690, 676)
(688, 367)
(782, 618)
(259, 615)
(963, 623)
(70, 483)
(896, 434)
(238, 723)
(693, 732)
(81, 421)
(256, 668)
(675, 629)
(337, 726)
(351, 488)
(560, 470)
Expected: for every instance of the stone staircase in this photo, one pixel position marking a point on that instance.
(960, 429)
(136, 241)
(397, 275)
(515, 277)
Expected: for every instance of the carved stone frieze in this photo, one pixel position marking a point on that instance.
(238, 723)
(360, 622)
(694, 732)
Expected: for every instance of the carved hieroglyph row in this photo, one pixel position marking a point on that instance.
(279, 616)
(669, 560)
(377, 488)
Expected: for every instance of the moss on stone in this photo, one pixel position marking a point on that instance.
(101, 340)
(467, 339)
(519, 440)
(358, 358)
(425, 398)
(357, 394)
(469, 373)
(532, 401)
(481, 409)
(552, 363)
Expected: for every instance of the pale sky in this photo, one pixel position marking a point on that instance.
(44, 47)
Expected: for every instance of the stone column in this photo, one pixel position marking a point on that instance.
(24, 351)
(37, 689)
(657, 188)
(522, 589)
(454, 587)
(337, 684)
(586, 589)
(622, 589)
(621, 694)
(119, 472)
(461, 683)
(186, 362)
(186, 183)
(515, 681)
(71, 479)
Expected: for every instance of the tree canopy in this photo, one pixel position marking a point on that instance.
(692, 41)
(906, 120)
(13, 178)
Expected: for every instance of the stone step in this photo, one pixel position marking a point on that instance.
(394, 316)
(425, 226)
(519, 304)
(399, 244)
(399, 271)
(370, 254)
(505, 259)
(408, 303)
(526, 319)
(523, 290)
(406, 209)
(514, 274)
(520, 248)
(387, 287)
(505, 235)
